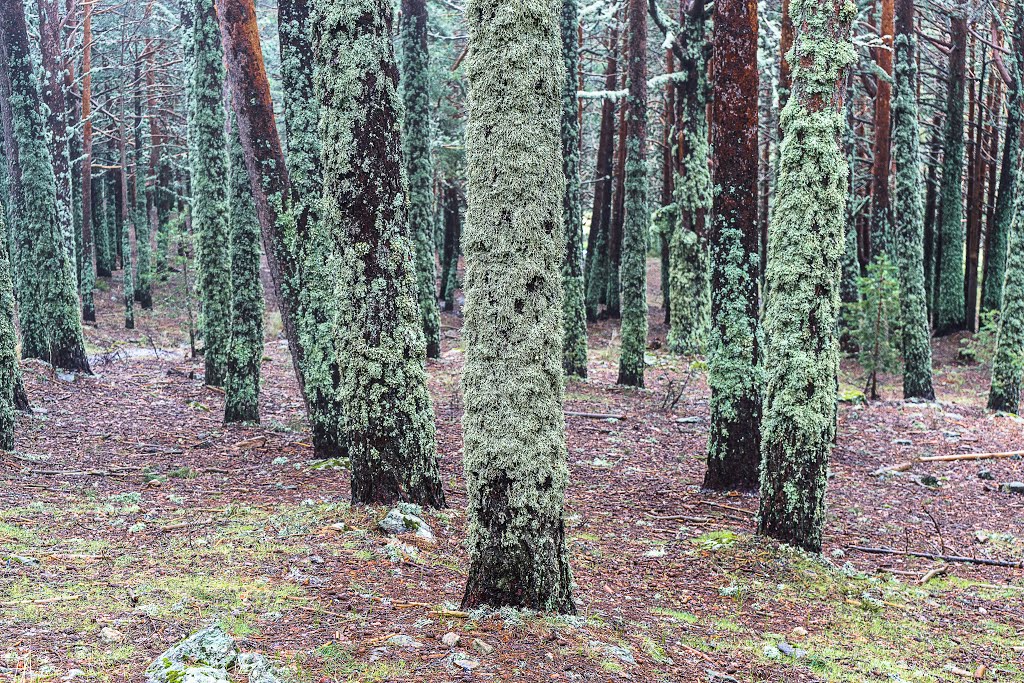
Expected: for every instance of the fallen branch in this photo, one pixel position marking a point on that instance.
(902, 467)
(42, 601)
(934, 556)
(727, 507)
(595, 416)
(681, 518)
(972, 456)
(932, 574)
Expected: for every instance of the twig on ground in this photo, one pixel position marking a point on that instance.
(934, 556)
(596, 416)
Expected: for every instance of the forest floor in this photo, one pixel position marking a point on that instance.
(131, 516)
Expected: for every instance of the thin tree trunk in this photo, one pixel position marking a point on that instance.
(881, 211)
(87, 271)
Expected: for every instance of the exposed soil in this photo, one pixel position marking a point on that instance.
(130, 516)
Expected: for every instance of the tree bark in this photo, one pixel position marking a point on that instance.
(734, 372)
(881, 210)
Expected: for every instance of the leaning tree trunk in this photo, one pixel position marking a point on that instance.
(950, 315)
(574, 346)
(514, 431)
(804, 271)
(245, 347)
(389, 420)
(416, 95)
(47, 287)
(999, 230)
(208, 165)
(734, 372)
(879, 238)
(909, 213)
(637, 216)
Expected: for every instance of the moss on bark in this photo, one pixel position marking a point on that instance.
(47, 285)
(513, 427)
(908, 211)
(245, 346)
(208, 165)
(389, 420)
(9, 370)
(804, 270)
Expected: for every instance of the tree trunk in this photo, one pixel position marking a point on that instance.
(734, 372)
(416, 96)
(668, 174)
(600, 217)
(87, 271)
(804, 269)
(10, 371)
(931, 217)
(452, 237)
(47, 291)
(245, 348)
(688, 276)
(637, 215)
(513, 428)
(613, 286)
(949, 302)
(389, 420)
(999, 230)
(975, 195)
(909, 213)
(574, 347)
(881, 211)
(208, 165)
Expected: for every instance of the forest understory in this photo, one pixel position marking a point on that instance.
(130, 516)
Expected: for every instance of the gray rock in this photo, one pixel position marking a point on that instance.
(986, 475)
(466, 663)
(404, 641)
(401, 520)
(200, 656)
(450, 639)
(1016, 487)
(258, 668)
(111, 636)
(787, 649)
(482, 646)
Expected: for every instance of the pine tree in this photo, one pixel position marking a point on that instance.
(1008, 364)
(804, 270)
(950, 312)
(10, 372)
(245, 347)
(47, 287)
(87, 266)
(140, 215)
(389, 420)
(574, 348)
(208, 166)
(734, 372)
(882, 214)
(513, 427)
(452, 236)
(637, 216)
(909, 213)
(419, 168)
(310, 243)
(688, 261)
(999, 230)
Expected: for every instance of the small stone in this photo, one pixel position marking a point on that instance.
(550, 657)
(211, 649)
(465, 663)
(787, 649)
(450, 639)
(404, 641)
(398, 521)
(772, 652)
(986, 475)
(482, 646)
(1016, 487)
(799, 632)
(111, 635)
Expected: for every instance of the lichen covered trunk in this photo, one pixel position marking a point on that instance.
(416, 96)
(804, 268)
(908, 212)
(734, 372)
(87, 266)
(999, 230)
(208, 165)
(574, 347)
(688, 253)
(389, 420)
(950, 313)
(309, 241)
(637, 213)
(47, 285)
(140, 213)
(245, 346)
(10, 374)
(513, 427)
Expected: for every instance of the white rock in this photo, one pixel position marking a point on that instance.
(450, 639)
(111, 636)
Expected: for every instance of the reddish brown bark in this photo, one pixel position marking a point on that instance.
(88, 252)
(881, 211)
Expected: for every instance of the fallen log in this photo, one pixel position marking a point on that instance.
(596, 416)
(972, 456)
(935, 556)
